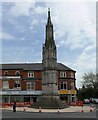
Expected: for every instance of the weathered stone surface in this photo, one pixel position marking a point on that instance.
(49, 103)
(49, 74)
(50, 98)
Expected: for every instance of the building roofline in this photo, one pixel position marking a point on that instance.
(31, 66)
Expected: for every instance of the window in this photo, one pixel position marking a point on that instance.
(17, 73)
(63, 74)
(5, 72)
(31, 74)
(17, 84)
(30, 85)
(63, 85)
(5, 84)
(72, 85)
(72, 75)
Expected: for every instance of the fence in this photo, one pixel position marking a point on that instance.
(77, 103)
(18, 104)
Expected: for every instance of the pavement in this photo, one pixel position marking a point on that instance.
(85, 108)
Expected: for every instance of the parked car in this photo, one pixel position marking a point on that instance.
(96, 100)
(86, 101)
(92, 100)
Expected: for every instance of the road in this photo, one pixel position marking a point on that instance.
(65, 115)
(10, 114)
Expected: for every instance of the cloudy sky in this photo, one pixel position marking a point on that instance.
(23, 33)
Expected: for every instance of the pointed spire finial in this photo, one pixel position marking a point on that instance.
(48, 12)
(49, 17)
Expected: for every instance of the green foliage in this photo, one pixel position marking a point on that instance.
(89, 86)
(87, 93)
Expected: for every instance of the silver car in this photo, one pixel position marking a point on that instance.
(96, 100)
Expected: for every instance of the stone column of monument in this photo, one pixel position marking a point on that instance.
(50, 96)
(49, 61)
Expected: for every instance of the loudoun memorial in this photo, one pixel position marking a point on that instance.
(50, 96)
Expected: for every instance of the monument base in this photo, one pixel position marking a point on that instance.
(49, 102)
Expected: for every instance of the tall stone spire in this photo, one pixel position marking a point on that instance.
(50, 93)
(49, 48)
(49, 28)
(49, 78)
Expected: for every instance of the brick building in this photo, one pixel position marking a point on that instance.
(23, 82)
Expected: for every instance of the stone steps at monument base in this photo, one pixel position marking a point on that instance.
(49, 104)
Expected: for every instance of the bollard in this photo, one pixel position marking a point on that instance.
(92, 106)
(24, 109)
(91, 109)
(82, 111)
(58, 110)
(40, 110)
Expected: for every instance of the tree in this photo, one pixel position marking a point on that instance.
(89, 86)
(89, 80)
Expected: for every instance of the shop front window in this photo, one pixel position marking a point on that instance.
(27, 99)
(5, 99)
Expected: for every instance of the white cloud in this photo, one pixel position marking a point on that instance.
(39, 10)
(90, 48)
(6, 36)
(85, 62)
(25, 9)
(77, 20)
(20, 9)
(34, 22)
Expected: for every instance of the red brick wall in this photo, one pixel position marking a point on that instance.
(23, 84)
(75, 83)
(38, 85)
(68, 74)
(68, 84)
(37, 74)
(24, 74)
(58, 73)
(11, 84)
(0, 84)
(59, 84)
(0, 72)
